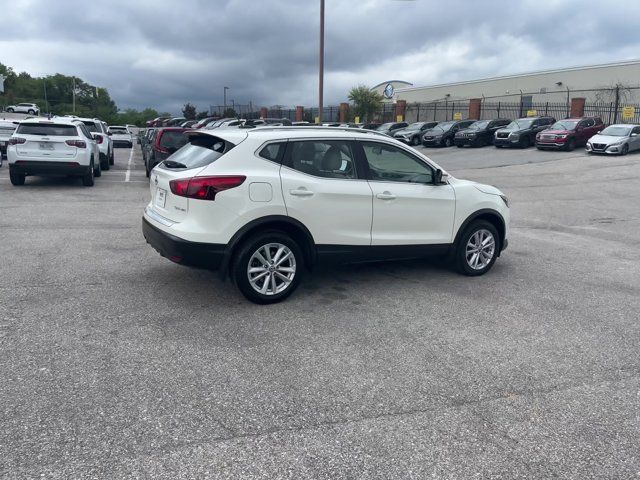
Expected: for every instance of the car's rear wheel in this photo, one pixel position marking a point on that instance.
(477, 249)
(97, 171)
(17, 178)
(31, 112)
(104, 161)
(268, 267)
(112, 159)
(87, 178)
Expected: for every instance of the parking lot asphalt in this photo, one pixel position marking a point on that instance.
(116, 363)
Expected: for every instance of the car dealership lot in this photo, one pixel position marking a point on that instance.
(116, 362)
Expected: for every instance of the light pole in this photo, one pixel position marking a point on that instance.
(321, 79)
(225, 97)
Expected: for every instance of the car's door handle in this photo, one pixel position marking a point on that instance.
(386, 196)
(301, 192)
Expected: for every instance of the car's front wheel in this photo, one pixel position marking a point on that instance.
(415, 141)
(477, 249)
(625, 149)
(447, 142)
(10, 110)
(268, 267)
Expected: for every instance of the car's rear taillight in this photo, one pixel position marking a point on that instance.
(205, 188)
(99, 139)
(76, 143)
(17, 140)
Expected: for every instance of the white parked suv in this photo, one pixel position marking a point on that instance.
(29, 108)
(264, 204)
(99, 131)
(121, 136)
(60, 146)
(6, 130)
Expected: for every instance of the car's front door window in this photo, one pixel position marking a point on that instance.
(388, 163)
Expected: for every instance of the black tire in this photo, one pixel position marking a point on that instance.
(104, 161)
(97, 172)
(447, 142)
(17, 179)
(243, 257)
(10, 110)
(460, 259)
(525, 142)
(625, 149)
(87, 178)
(571, 145)
(112, 158)
(31, 112)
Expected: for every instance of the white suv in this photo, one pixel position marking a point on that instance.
(29, 108)
(61, 146)
(99, 131)
(264, 204)
(121, 136)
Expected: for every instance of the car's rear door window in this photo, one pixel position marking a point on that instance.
(47, 129)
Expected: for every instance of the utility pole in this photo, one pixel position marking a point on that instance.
(46, 101)
(321, 79)
(74, 95)
(225, 98)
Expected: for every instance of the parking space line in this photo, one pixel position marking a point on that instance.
(127, 175)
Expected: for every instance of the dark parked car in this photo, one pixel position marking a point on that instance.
(522, 132)
(569, 133)
(391, 127)
(371, 126)
(413, 133)
(480, 133)
(442, 135)
(166, 141)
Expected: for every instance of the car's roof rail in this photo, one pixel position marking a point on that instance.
(297, 128)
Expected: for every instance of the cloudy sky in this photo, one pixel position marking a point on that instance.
(163, 53)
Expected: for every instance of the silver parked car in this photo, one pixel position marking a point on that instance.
(615, 140)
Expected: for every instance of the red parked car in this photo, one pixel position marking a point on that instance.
(569, 133)
(166, 142)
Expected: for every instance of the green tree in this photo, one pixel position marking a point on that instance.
(189, 111)
(201, 115)
(366, 102)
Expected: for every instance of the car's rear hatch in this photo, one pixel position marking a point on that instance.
(46, 140)
(201, 151)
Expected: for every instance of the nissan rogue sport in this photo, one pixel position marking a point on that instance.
(264, 205)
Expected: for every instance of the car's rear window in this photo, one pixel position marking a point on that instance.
(200, 151)
(47, 129)
(118, 130)
(173, 139)
(7, 128)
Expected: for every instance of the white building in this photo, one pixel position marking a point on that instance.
(594, 82)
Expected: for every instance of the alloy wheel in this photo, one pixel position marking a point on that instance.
(271, 269)
(480, 249)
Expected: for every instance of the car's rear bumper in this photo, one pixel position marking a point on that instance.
(30, 167)
(178, 250)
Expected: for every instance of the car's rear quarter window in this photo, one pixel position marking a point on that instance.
(200, 150)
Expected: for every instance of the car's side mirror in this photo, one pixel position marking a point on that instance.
(437, 177)
(109, 133)
(634, 134)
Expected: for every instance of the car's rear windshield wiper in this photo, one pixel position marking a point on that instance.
(172, 164)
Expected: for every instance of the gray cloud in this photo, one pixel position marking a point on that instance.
(165, 53)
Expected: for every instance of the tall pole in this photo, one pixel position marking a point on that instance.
(321, 80)
(74, 95)
(46, 101)
(225, 97)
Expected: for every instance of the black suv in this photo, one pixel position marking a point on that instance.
(480, 133)
(443, 134)
(522, 132)
(413, 133)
